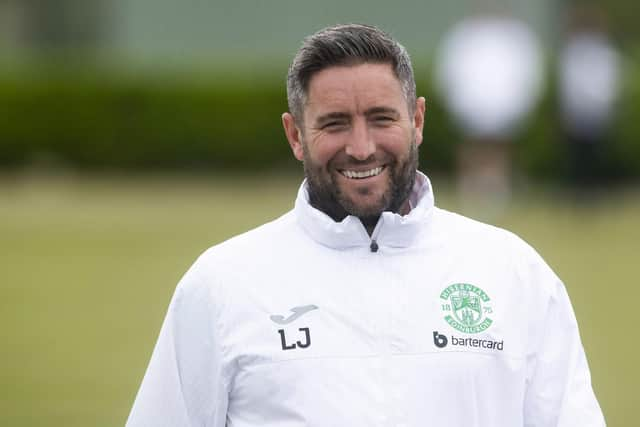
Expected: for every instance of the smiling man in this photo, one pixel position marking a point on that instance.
(366, 305)
(357, 135)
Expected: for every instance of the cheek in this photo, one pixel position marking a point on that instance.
(395, 140)
(325, 148)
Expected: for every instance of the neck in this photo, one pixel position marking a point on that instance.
(370, 222)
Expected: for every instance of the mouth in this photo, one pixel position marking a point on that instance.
(351, 174)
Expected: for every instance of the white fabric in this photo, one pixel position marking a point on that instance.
(371, 359)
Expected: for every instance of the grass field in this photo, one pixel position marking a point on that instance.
(88, 265)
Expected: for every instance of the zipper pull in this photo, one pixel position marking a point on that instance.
(373, 246)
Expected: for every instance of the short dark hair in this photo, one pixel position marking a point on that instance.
(348, 44)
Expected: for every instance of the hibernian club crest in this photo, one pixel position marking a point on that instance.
(466, 308)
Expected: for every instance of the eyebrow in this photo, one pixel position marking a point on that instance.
(382, 110)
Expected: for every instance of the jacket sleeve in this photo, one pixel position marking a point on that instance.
(184, 384)
(559, 391)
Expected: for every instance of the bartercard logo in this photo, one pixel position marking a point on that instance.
(441, 341)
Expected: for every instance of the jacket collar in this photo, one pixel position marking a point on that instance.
(392, 230)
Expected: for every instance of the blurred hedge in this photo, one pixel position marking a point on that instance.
(97, 121)
(120, 123)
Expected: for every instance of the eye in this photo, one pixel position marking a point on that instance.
(383, 120)
(333, 126)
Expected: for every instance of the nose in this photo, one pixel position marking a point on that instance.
(360, 145)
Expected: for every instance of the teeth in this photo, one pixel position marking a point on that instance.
(362, 174)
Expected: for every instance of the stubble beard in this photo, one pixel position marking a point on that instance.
(326, 196)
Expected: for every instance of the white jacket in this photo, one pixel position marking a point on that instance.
(301, 322)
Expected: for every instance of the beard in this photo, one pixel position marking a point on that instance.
(327, 196)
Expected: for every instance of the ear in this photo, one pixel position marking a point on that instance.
(418, 119)
(294, 135)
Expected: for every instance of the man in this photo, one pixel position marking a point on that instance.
(589, 74)
(366, 305)
(489, 70)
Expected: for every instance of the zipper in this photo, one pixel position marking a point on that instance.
(373, 246)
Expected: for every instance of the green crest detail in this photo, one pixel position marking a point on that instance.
(466, 308)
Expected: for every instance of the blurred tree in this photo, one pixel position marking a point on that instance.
(46, 25)
(623, 17)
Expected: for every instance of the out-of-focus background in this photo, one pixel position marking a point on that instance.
(136, 133)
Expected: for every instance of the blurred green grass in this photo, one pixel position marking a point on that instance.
(88, 265)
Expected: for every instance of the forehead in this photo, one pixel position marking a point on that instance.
(347, 88)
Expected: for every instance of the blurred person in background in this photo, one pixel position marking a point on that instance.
(366, 305)
(489, 71)
(589, 75)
